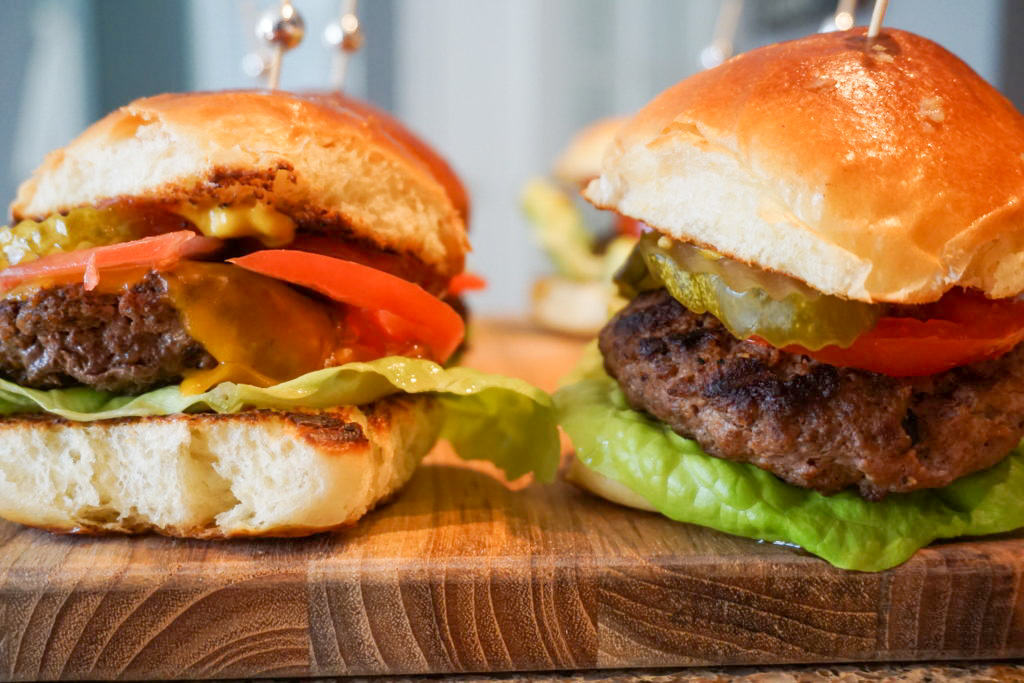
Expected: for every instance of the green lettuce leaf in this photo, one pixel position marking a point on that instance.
(684, 483)
(487, 417)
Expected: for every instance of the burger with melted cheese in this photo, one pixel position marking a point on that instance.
(823, 340)
(223, 314)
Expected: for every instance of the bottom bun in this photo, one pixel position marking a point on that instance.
(600, 485)
(204, 475)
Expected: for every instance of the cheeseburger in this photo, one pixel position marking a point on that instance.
(823, 341)
(583, 245)
(222, 314)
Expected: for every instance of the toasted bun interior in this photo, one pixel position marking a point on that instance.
(878, 170)
(256, 473)
(319, 159)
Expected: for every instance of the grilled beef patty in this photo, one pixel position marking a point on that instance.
(812, 424)
(126, 343)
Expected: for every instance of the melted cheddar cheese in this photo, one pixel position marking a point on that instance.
(261, 331)
(271, 227)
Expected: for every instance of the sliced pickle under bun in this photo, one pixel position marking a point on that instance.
(876, 170)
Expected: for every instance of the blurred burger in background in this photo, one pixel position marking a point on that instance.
(585, 246)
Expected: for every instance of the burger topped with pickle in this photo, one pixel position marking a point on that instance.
(822, 345)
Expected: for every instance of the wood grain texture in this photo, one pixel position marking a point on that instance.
(460, 573)
(963, 672)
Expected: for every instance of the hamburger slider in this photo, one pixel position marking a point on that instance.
(822, 345)
(583, 245)
(222, 314)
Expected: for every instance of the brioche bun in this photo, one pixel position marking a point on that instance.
(202, 475)
(387, 126)
(580, 161)
(877, 170)
(319, 159)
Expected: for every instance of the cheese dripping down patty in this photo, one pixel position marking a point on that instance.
(259, 330)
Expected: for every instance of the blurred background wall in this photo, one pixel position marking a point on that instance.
(498, 86)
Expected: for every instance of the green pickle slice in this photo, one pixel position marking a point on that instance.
(80, 229)
(748, 301)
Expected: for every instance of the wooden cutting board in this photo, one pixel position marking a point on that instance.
(461, 573)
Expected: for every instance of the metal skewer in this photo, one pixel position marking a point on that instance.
(283, 29)
(346, 36)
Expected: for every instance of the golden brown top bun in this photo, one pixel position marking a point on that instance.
(879, 170)
(389, 127)
(321, 159)
(580, 161)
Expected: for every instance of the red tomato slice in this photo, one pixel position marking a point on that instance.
(375, 334)
(465, 282)
(159, 252)
(435, 323)
(961, 328)
(395, 264)
(337, 248)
